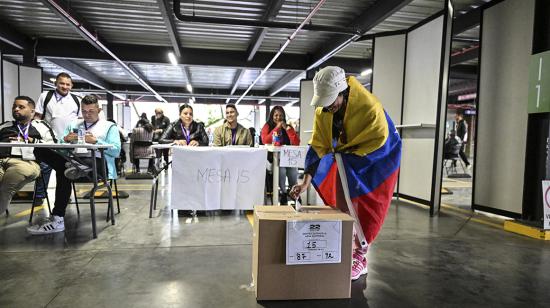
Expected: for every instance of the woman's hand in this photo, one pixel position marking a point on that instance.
(301, 187)
(180, 142)
(298, 189)
(193, 143)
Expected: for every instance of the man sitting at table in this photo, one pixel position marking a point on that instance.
(17, 165)
(231, 132)
(96, 131)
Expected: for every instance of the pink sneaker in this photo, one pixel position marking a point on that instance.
(359, 265)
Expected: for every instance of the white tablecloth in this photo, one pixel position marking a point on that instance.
(210, 178)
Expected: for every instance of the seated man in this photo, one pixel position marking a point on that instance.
(451, 149)
(17, 165)
(231, 132)
(96, 131)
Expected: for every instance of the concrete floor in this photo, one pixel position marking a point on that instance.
(454, 260)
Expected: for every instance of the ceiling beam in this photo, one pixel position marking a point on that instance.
(170, 26)
(79, 50)
(77, 23)
(198, 93)
(463, 72)
(236, 80)
(271, 11)
(83, 73)
(63, 10)
(371, 17)
(467, 21)
(13, 37)
(283, 82)
(465, 55)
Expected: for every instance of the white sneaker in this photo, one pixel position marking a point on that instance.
(56, 224)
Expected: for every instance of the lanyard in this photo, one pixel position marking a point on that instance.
(58, 97)
(24, 132)
(233, 136)
(91, 125)
(186, 133)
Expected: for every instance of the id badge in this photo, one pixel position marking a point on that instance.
(80, 151)
(16, 151)
(27, 154)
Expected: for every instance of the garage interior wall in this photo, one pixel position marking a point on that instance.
(506, 41)
(10, 87)
(387, 73)
(422, 76)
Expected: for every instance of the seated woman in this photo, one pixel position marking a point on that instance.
(185, 131)
(276, 125)
(140, 145)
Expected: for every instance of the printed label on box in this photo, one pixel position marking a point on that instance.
(313, 242)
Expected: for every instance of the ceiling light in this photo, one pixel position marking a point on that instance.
(172, 58)
(189, 88)
(52, 79)
(366, 72)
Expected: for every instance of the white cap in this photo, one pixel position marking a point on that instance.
(327, 83)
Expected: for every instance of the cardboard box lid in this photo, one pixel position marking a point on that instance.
(288, 213)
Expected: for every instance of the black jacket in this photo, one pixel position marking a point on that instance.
(161, 123)
(174, 132)
(461, 129)
(39, 131)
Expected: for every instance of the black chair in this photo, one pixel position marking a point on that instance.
(39, 178)
(449, 162)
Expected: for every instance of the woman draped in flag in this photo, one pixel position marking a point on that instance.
(349, 120)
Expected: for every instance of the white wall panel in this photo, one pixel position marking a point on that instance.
(30, 82)
(507, 33)
(387, 78)
(422, 73)
(10, 73)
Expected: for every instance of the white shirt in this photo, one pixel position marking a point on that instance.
(60, 111)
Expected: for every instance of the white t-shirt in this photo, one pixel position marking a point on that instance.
(61, 111)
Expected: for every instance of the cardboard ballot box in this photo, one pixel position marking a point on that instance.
(315, 237)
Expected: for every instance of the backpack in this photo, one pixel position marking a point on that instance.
(49, 97)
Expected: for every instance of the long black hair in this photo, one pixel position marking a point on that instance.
(271, 123)
(185, 106)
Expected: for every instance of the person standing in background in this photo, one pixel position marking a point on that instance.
(461, 128)
(160, 123)
(58, 108)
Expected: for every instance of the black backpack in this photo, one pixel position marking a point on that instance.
(49, 97)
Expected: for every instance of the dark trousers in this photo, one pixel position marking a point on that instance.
(150, 166)
(42, 186)
(63, 187)
(463, 155)
(163, 152)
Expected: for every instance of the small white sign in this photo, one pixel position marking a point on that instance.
(313, 242)
(293, 156)
(546, 203)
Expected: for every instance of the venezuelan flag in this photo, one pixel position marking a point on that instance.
(371, 157)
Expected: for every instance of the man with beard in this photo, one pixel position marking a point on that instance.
(58, 108)
(17, 165)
